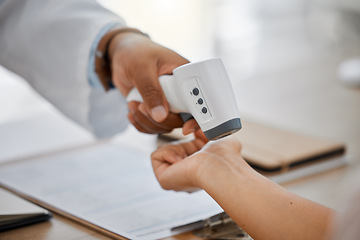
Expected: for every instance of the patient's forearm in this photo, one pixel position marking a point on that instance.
(262, 208)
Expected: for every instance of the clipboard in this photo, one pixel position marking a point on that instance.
(219, 226)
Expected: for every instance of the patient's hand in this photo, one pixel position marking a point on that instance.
(173, 165)
(249, 198)
(186, 166)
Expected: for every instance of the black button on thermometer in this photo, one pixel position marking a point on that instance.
(196, 91)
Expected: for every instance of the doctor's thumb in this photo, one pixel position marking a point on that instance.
(155, 102)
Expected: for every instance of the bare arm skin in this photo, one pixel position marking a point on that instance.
(262, 208)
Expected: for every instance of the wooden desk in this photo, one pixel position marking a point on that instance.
(63, 228)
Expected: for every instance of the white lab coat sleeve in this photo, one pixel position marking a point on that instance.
(48, 43)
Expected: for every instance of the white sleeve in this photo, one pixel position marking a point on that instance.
(48, 43)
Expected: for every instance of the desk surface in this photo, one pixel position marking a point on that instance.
(60, 227)
(63, 228)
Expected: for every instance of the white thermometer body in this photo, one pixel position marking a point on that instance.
(202, 89)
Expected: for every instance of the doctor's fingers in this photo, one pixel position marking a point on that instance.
(142, 74)
(121, 80)
(145, 77)
(168, 60)
(124, 81)
(190, 126)
(146, 124)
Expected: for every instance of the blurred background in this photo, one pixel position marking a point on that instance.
(283, 58)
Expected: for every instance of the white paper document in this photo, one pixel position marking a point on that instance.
(111, 187)
(40, 134)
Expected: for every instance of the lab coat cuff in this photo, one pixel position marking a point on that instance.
(94, 79)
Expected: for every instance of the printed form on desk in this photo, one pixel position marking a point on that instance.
(110, 187)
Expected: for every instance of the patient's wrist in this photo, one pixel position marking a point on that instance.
(215, 174)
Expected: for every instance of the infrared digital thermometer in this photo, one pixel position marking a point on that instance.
(202, 89)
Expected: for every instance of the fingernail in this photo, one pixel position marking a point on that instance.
(158, 113)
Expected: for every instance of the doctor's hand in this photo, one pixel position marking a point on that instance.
(136, 61)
